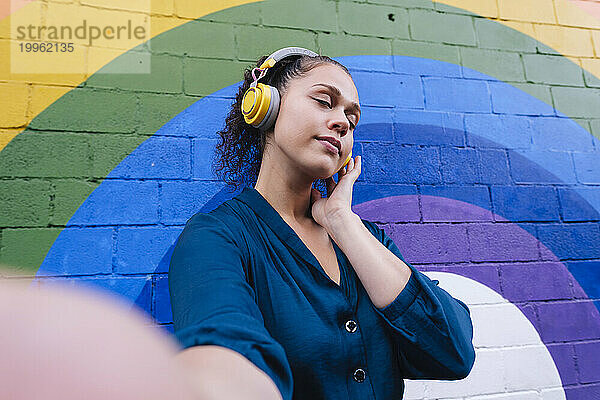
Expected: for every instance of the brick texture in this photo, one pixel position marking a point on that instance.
(480, 132)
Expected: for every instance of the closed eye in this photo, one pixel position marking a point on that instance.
(328, 105)
(325, 103)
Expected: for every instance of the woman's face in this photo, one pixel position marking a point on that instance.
(322, 103)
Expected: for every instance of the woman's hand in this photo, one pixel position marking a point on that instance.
(339, 195)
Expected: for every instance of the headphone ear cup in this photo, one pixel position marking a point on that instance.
(347, 161)
(257, 103)
(273, 110)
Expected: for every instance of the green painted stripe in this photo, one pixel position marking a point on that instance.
(50, 169)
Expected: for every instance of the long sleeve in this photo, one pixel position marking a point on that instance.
(432, 329)
(212, 302)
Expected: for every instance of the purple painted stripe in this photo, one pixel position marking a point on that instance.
(587, 392)
(538, 284)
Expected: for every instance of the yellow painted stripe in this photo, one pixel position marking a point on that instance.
(165, 15)
(6, 136)
(560, 24)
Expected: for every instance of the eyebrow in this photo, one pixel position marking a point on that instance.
(353, 106)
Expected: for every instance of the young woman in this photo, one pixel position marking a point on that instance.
(282, 293)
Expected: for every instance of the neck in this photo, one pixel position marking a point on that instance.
(286, 188)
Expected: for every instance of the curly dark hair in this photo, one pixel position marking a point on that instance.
(239, 153)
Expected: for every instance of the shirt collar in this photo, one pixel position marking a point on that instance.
(265, 211)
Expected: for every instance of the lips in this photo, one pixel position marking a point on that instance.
(333, 141)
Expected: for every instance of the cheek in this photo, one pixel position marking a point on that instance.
(297, 126)
(349, 140)
(290, 135)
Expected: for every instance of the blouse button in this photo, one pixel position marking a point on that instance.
(359, 375)
(351, 326)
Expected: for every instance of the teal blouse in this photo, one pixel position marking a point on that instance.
(241, 278)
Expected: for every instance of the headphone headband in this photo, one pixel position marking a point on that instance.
(278, 56)
(286, 52)
(260, 104)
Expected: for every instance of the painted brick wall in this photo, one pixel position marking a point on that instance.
(479, 139)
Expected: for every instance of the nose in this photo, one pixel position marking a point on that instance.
(339, 123)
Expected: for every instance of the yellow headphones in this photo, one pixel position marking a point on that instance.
(260, 104)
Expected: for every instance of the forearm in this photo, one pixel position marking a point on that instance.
(382, 274)
(437, 329)
(216, 373)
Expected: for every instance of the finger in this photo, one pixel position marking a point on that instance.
(355, 169)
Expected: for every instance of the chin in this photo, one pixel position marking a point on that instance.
(322, 166)
(325, 171)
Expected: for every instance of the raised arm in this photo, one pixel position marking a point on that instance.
(433, 330)
(216, 319)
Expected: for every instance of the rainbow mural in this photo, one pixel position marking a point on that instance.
(481, 159)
